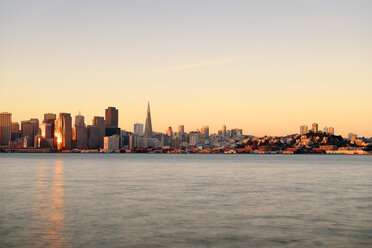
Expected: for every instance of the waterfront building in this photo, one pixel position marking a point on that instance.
(124, 139)
(5, 128)
(109, 131)
(315, 127)
(148, 126)
(138, 129)
(111, 143)
(112, 117)
(303, 130)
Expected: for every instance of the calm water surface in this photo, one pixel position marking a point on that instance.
(153, 200)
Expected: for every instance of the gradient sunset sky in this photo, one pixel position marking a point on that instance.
(264, 66)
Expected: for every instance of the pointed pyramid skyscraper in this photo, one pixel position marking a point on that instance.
(148, 126)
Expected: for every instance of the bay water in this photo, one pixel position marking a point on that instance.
(185, 200)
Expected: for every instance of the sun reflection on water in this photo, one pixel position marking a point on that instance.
(48, 210)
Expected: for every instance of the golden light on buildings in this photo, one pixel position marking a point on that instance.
(58, 136)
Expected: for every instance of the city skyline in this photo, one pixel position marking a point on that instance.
(264, 66)
(144, 128)
(132, 126)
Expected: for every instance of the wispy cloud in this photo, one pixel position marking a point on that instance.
(189, 66)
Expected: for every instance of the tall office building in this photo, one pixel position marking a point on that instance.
(304, 129)
(112, 117)
(64, 131)
(148, 125)
(169, 132)
(315, 127)
(15, 127)
(49, 118)
(15, 131)
(205, 132)
(224, 133)
(138, 129)
(93, 134)
(79, 134)
(46, 130)
(5, 128)
(28, 132)
(99, 122)
(331, 130)
(181, 130)
(79, 120)
(36, 126)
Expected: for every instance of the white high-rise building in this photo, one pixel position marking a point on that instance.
(138, 129)
(111, 143)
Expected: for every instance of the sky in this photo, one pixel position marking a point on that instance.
(264, 66)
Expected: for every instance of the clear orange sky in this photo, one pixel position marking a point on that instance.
(264, 66)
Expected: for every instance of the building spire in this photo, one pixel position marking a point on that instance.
(148, 125)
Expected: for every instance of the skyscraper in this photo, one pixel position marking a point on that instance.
(28, 132)
(64, 131)
(205, 132)
(5, 128)
(93, 136)
(15, 131)
(304, 129)
(138, 129)
(79, 120)
(49, 117)
(148, 125)
(111, 117)
(80, 132)
(169, 132)
(181, 130)
(315, 127)
(224, 133)
(36, 125)
(99, 122)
